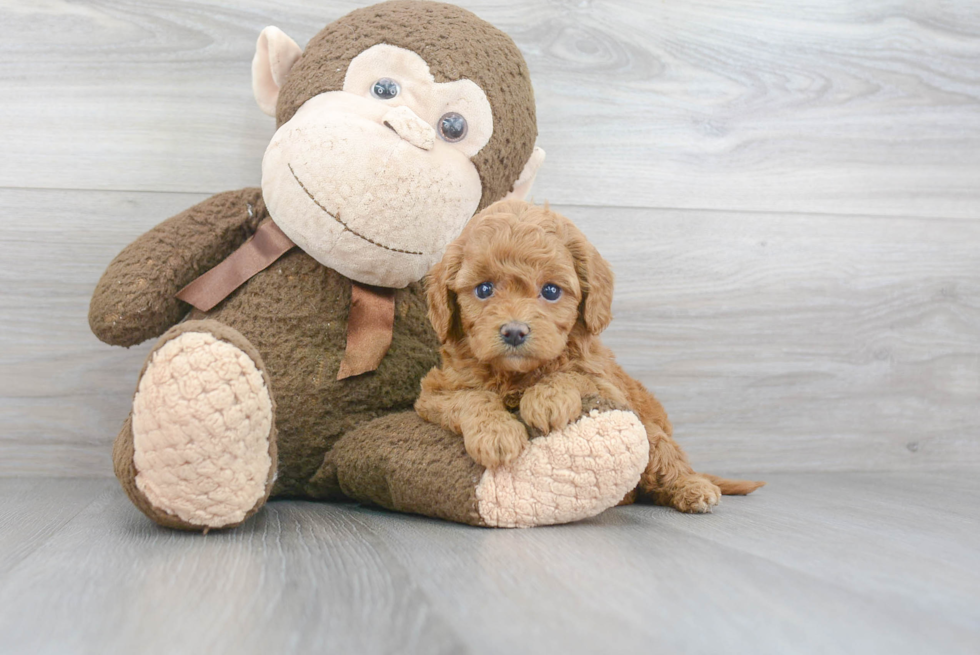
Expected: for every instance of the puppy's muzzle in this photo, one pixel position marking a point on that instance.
(513, 333)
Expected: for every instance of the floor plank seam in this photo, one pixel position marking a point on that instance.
(655, 208)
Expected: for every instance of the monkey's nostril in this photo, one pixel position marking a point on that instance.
(513, 333)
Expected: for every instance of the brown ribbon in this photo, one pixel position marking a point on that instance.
(369, 329)
(370, 324)
(268, 244)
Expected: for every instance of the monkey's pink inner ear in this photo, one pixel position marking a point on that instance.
(275, 54)
(522, 187)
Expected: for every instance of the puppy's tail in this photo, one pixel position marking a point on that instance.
(734, 487)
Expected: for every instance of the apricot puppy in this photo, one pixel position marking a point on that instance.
(518, 302)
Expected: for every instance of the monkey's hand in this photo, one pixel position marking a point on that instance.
(135, 299)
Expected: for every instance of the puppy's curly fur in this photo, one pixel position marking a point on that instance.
(512, 346)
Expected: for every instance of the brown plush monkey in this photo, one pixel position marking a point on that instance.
(295, 373)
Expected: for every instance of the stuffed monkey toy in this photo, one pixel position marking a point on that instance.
(294, 330)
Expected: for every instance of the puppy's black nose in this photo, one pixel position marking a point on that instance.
(514, 333)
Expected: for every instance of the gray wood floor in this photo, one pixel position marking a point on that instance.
(814, 563)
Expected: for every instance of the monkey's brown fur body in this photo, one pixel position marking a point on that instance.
(488, 390)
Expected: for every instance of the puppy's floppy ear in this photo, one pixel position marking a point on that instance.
(443, 308)
(596, 277)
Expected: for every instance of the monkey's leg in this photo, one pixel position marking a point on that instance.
(403, 463)
(199, 449)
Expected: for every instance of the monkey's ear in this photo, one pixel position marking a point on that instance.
(443, 306)
(522, 187)
(275, 54)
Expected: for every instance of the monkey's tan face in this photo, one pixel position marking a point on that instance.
(375, 180)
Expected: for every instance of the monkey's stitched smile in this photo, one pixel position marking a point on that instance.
(345, 226)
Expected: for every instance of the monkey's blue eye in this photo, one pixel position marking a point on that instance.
(483, 290)
(551, 292)
(452, 127)
(385, 89)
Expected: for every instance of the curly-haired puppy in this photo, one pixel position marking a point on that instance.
(518, 303)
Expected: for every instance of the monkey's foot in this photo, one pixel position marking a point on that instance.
(568, 475)
(200, 448)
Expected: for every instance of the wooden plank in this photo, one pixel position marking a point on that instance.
(299, 578)
(909, 538)
(63, 394)
(826, 107)
(34, 509)
(776, 343)
(844, 563)
(801, 342)
(771, 581)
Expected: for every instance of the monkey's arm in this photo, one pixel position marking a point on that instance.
(135, 299)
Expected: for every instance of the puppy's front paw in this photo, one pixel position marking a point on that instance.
(547, 408)
(694, 495)
(496, 442)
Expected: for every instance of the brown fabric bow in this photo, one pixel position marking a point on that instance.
(268, 244)
(370, 327)
(370, 324)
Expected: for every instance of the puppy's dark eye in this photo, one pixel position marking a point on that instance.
(484, 290)
(385, 89)
(551, 292)
(452, 127)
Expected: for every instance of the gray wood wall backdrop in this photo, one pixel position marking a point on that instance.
(788, 191)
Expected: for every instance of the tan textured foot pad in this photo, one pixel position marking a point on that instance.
(568, 475)
(202, 419)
